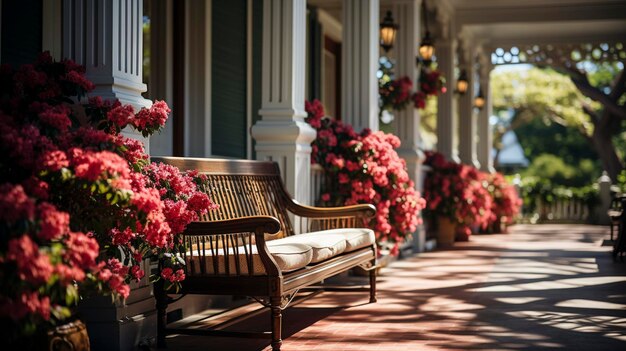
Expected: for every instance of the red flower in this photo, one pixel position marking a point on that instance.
(15, 204)
(121, 115)
(137, 272)
(82, 250)
(53, 223)
(152, 118)
(32, 266)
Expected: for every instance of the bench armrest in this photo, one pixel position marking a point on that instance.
(252, 224)
(360, 210)
(259, 225)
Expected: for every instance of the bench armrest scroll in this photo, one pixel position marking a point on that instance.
(259, 226)
(252, 224)
(361, 210)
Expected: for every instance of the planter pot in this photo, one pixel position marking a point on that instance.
(499, 225)
(446, 231)
(69, 337)
(463, 232)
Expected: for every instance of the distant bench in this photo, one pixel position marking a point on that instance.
(249, 247)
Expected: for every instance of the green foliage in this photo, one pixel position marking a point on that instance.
(540, 93)
(534, 189)
(621, 182)
(601, 75)
(553, 169)
(541, 136)
(545, 110)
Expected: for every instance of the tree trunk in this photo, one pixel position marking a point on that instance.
(606, 150)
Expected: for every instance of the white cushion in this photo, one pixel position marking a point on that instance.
(355, 238)
(324, 246)
(288, 256)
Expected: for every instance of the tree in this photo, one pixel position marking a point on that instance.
(520, 96)
(607, 121)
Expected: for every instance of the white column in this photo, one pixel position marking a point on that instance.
(447, 119)
(282, 135)
(467, 115)
(107, 38)
(485, 134)
(359, 62)
(407, 121)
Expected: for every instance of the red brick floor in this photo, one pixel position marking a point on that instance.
(539, 287)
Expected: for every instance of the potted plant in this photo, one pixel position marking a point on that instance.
(80, 206)
(365, 168)
(456, 198)
(506, 203)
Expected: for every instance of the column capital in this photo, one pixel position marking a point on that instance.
(111, 51)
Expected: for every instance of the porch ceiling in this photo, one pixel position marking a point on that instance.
(511, 22)
(496, 23)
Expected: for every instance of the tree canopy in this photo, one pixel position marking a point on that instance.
(550, 114)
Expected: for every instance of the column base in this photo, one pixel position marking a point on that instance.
(287, 143)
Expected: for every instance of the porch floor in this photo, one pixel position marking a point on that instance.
(539, 287)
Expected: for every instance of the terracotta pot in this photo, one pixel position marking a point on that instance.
(499, 226)
(71, 336)
(446, 231)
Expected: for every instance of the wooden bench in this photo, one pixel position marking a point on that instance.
(249, 246)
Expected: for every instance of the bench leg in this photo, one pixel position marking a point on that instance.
(373, 284)
(161, 306)
(611, 225)
(277, 316)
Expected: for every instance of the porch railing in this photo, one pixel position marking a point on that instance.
(563, 210)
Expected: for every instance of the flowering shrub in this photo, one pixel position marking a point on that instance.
(458, 192)
(432, 82)
(365, 168)
(506, 203)
(79, 205)
(396, 94)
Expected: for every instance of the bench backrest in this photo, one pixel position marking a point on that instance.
(240, 187)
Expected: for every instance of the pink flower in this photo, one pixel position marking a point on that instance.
(55, 116)
(53, 223)
(152, 118)
(53, 160)
(121, 237)
(15, 204)
(82, 250)
(68, 274)
(36, 187)
(137, 272)
(121, 115)
(32, 266)
(27, 303)
(166, 273)
(91, 166)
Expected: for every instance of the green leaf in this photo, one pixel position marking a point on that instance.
(71, 295)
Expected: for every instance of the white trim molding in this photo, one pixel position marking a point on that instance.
(282, 135)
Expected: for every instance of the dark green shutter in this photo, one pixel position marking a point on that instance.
(228, 92)
(257, 64)
(21, 31)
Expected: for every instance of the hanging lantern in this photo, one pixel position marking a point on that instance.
(388, 30)
(462, 84)
(427, 46)
(479, 100)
